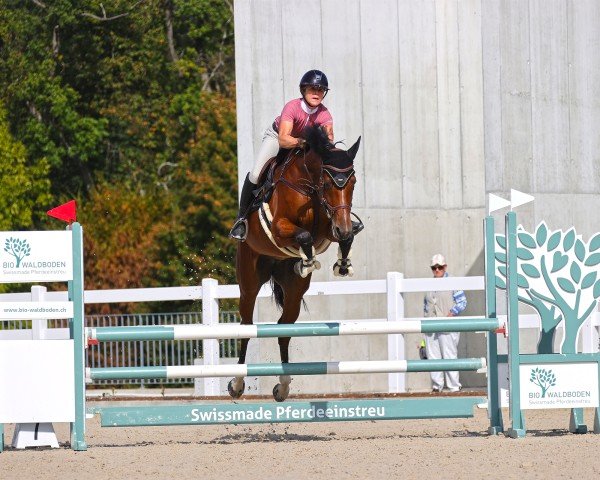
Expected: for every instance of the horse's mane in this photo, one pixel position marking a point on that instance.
(318, 141)
(330, 155)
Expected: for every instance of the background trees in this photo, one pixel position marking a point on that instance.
(127, 106)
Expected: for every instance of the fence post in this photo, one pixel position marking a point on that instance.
(589, 334)
(395, 313)
(210, 347)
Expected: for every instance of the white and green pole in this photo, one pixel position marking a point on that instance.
(76, 326)
(493, 389)
(313, 329)
(517, 429)
(274, 369)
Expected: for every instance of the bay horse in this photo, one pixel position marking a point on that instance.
(306, 208)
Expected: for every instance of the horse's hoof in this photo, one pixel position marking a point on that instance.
(337, 271)
(301, 269)
(343, 269)
(235, 393)
(281, 392)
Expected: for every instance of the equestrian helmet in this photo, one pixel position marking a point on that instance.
(314, 78)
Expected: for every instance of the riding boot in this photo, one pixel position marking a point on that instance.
(240, 227)
(357, 227)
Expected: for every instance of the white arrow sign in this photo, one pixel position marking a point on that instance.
(496, 203)
(519, 198)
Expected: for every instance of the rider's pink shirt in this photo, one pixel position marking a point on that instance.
(293, 112)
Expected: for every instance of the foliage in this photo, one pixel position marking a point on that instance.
(127, 106)
(24, 186)
(205, 182)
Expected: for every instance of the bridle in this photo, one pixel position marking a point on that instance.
(340, 177)
(316, 192)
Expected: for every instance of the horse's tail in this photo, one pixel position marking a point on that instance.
(277, 293)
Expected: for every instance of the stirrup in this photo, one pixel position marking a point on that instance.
(357, 226)
(239, 231)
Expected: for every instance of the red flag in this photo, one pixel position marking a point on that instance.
(65, 212)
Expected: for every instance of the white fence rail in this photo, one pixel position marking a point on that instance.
(394, 287)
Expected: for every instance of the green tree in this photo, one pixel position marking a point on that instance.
(89, 86)
(128, 240)
(24, 190)
(130, 106)
(204, 182)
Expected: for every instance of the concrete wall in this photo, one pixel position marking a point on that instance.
(454, 100)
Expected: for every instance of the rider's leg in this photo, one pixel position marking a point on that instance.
(239, 229)
(268, 149)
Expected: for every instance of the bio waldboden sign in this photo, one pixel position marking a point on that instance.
(36, 256)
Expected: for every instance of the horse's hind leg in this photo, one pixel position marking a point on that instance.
(294, 289)
(251, 274)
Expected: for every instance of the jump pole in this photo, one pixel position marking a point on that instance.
(230, 331)
(272, 369)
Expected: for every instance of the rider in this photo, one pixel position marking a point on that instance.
(286, 132)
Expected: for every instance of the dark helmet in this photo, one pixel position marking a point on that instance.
(314, 78)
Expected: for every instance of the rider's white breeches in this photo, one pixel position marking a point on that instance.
(268, 149)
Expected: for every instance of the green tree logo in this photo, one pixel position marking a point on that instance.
(557, 275)
(17, 248)
(543, 378)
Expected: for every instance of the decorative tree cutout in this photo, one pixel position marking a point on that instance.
(557, 275)
(543, 378)
(17, 248)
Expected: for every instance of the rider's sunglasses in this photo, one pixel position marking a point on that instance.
(437, 267)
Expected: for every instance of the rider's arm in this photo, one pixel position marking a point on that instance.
(285, 139)
(329, 131)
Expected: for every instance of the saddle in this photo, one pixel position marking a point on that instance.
(265, 187)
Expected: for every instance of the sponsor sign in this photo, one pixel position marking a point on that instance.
(35, 310)
(558, 385)
(311, 411)
(36, 256)
(503, 385)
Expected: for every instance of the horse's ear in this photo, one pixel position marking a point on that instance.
(351, 152)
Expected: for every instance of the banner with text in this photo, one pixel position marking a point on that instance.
(36, 256)
(559, 385)
(35, 310)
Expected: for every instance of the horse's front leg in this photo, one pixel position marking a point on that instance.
(251, 274)
(282, 389)
(343, 266)
(236, 385)
(294, 289)
(286, 234)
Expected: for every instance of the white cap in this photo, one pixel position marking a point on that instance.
(438, 259)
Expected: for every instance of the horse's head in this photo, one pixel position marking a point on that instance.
(337, 181)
